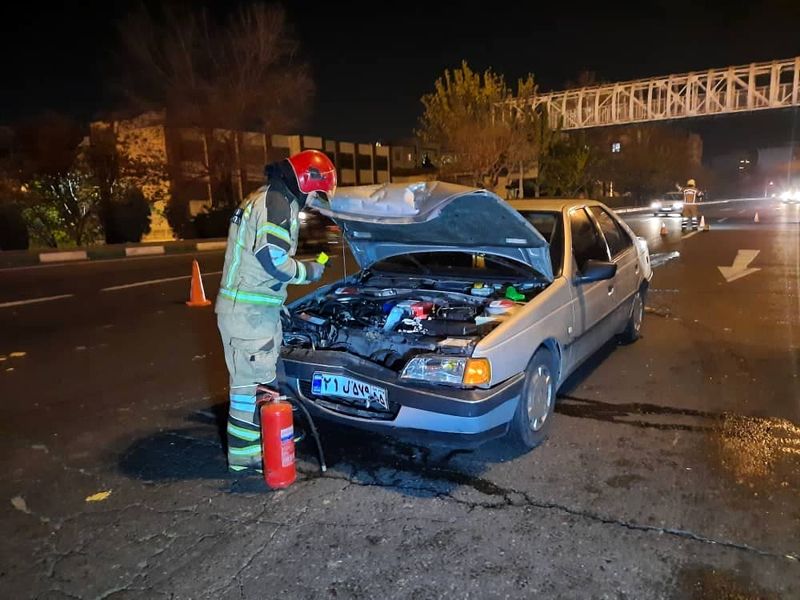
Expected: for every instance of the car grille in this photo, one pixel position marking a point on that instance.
(346, 406)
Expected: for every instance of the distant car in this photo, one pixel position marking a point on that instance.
(669, 203)
(468, 312)
(316, 231)
(791, 196)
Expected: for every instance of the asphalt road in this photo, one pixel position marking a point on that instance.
(671, 472)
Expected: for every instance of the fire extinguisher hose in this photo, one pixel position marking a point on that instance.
(320, 454)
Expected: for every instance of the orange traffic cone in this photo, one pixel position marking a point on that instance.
(663, 228)
(197, 295)
(756, 219)
(703, 224)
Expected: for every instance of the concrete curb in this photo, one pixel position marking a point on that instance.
(27, 258)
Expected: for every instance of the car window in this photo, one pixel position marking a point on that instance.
(617, 238)
(551, 226)
(586, 241)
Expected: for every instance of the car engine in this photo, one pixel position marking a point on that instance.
(389, 325)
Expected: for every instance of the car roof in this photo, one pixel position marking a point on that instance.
(552, 204)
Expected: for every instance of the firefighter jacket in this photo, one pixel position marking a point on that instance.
(259, 259)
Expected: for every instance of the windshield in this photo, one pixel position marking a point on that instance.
(470, 265)
(551, 227)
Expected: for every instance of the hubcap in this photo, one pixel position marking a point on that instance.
(540, 397)
(638, 313)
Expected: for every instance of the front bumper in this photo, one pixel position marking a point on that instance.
(667, 210)
(466, 415)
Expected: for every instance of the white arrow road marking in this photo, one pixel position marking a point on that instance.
(741, 265)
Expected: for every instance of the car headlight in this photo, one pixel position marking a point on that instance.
(785, 195)
(454, 370)
(303, 216)
(655, 204)
(677, 205)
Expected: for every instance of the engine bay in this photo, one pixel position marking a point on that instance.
(389, 320)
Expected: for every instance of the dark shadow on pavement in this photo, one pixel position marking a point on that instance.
(197, 451)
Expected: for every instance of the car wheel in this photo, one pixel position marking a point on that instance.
(656, 214)
(533, 417)
(633, 329)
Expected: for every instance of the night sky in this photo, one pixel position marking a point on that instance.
(371, 65)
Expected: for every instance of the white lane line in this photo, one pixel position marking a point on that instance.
(34, 300)
(688, 235)
(153, 282)
(722, 220)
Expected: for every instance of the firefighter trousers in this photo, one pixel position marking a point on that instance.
(251, 341)
(690, 211)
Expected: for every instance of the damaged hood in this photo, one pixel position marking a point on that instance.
(396, 218)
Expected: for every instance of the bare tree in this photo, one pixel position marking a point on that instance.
(239, 73)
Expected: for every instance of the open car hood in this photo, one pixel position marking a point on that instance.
(396, 218)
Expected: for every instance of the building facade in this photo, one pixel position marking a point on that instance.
(207, 168)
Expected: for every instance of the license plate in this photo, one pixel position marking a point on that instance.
(339, 386)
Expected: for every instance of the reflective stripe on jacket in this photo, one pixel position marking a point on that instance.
(266, 220)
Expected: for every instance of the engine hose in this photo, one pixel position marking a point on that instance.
(295, 402)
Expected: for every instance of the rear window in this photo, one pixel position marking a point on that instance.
(550, 225)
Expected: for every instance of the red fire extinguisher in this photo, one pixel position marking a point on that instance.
(277, 443)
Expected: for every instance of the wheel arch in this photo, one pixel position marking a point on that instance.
(552, 346)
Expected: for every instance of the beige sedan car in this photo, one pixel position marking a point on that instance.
(467, 312)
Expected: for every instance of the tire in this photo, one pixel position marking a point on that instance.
(533, 418)
(633, 328)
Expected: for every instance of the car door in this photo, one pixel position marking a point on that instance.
(594, 302)
(622, 251)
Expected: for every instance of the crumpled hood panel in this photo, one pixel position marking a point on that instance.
(389, 219)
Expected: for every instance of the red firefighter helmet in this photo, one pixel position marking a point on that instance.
(314, 171)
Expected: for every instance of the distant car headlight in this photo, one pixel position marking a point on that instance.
(784, 195)
(677, 205)
(655, 204)
(454, 370)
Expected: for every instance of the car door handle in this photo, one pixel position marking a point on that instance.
(610, 290)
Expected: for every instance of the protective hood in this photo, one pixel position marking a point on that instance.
(393, 218)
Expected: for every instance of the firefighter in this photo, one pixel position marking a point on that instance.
(691, 196)
(259, 265)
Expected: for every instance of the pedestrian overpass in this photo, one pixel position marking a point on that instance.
(757, 86)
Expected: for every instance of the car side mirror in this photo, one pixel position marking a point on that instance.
(596, 270)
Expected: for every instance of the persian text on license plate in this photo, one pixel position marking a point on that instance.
(339, 386)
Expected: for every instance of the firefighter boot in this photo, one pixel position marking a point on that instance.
(244, 445)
